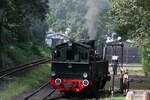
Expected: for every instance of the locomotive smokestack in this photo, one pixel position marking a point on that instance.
(91, 17)
(91, 43)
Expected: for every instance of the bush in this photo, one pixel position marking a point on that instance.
(145, 52)
(17, 54)
(41, 50)
(22, 53)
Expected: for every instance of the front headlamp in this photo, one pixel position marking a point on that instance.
(69, 44)
(53, 73)
(85, 82)
(58, 81)
(85, 75)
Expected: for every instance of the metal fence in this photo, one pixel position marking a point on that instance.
(131, 54)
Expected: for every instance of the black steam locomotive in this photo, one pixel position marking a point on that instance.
(77, 69)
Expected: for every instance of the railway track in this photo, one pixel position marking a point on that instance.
(66, 98)
(43, 90)
(23, 67)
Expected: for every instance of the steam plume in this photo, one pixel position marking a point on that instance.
(91, 16)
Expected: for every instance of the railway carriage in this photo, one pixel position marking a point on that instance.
(77, 69)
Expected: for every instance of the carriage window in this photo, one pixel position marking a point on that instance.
(70, 54)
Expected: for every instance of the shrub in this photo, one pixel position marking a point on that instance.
(23, 53)
(145, 52)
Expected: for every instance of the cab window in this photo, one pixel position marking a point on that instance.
(84, 55)
(70, 54)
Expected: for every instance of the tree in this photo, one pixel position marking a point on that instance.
(71, 13)
(68, 14)
(132, 22)
(16, 20)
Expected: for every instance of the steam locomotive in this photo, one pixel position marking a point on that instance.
(77, 69)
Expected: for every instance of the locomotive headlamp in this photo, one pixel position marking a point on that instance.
(85, 82)
(55, 51)
(53, 73)
(69, 66)
(70, 44)
(85, 75)
(58, 81)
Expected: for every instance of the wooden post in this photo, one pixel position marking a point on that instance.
(130, 95)
(146, 95)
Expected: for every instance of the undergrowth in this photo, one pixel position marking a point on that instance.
(12, 55)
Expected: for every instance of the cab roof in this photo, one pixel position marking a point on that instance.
(76, 43)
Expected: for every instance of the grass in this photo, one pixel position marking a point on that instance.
(119, 97)
(25, 82)
(140, 85)
(114, 98)
(136, 70)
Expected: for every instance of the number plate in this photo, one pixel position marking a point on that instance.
(67, 85)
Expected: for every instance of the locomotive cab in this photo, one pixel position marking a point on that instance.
(75, 68)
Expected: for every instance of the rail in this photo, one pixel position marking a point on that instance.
(22, 67)
(39, 89)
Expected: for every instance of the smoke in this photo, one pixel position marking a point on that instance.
(91, 17)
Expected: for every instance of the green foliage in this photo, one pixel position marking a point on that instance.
(38, 29)
(135, 70)
(114, 98)
(71, 13)
(41, 50)
(22, 53)
(132, 20)
(68, 13)
(134, 17)
(16, 18)
(146, 59)
(23, 24)
(17, 54)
